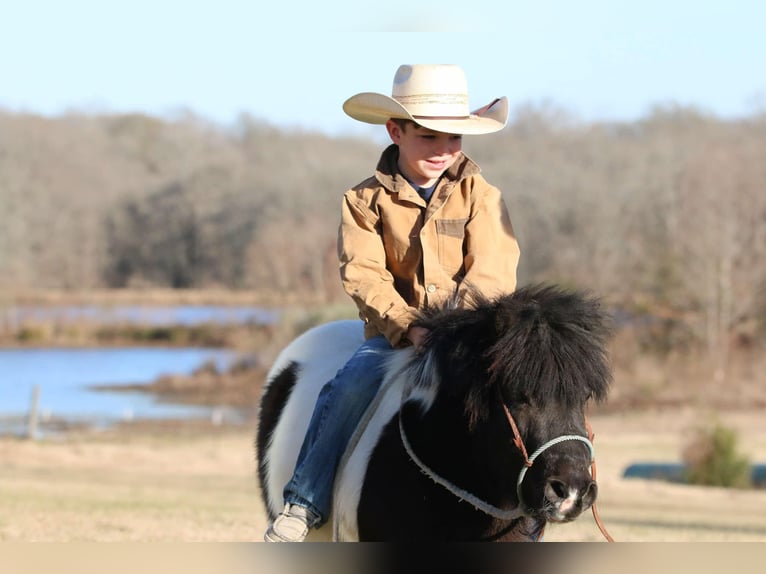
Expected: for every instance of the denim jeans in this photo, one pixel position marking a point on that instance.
(340, 406)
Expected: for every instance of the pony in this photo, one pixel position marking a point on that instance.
(443, 453)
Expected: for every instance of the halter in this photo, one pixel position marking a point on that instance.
(488, 508)
(529, 460)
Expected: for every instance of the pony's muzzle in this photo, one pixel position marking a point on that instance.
(567, 500)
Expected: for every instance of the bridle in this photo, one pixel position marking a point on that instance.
(488, 508)
(529, 460)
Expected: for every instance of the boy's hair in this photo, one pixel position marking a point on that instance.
(404, 123)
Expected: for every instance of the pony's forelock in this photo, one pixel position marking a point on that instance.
(541, 342)
(552, 345)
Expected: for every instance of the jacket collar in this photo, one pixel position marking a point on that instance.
(387, 172)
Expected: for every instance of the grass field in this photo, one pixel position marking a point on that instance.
(187, 483)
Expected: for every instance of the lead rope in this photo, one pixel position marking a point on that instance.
(476, 502)
(593, 474)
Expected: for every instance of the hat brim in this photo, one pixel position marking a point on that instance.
(374, 108)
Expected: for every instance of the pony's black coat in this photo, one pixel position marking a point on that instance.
(272, 403)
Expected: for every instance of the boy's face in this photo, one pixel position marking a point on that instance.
(424, 154)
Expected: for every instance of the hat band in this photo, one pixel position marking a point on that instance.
(432, 99)
(435, 105)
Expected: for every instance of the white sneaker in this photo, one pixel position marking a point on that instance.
(292, 524)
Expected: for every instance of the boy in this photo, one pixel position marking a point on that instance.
(425, 227)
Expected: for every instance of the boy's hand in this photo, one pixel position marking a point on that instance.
(417, 336)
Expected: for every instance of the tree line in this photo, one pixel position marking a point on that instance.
(664, 215)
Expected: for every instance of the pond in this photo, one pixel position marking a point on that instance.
(65, 378)
(155, 315)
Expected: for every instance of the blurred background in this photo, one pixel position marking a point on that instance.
(170, 182)
(171, 175)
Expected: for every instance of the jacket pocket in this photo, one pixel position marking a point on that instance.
(451, 227)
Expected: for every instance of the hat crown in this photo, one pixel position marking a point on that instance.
(432, 90)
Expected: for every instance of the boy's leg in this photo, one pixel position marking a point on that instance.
(339, 408)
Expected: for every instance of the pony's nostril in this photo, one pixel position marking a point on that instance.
(590, 493)
(557, 488)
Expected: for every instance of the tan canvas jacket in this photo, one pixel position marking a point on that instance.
(398, 254)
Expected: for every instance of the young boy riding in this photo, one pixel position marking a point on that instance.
(425, 227)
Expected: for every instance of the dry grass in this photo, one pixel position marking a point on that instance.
(143, 485)
(197, 483)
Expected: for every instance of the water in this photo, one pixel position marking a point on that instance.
(154, 315)
(65, 378)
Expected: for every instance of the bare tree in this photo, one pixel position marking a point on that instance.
(722, 236)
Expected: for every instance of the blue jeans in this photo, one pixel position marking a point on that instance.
(340, 406)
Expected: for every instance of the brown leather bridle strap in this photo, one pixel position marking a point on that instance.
(519, 442)
(596, 517)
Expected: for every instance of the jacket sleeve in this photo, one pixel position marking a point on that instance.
(364, 274)
(492, 251)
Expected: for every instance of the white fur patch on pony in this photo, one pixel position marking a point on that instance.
(319, 353)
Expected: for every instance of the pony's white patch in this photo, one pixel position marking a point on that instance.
(424, 391)
(566, 505)
(319, 353)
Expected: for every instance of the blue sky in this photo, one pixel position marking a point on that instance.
(293, 65)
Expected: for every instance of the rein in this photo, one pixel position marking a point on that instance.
(475, 501)
(486, 507)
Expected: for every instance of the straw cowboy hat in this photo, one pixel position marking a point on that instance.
(433, 96)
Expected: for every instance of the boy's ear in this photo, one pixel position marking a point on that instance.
(394, 131)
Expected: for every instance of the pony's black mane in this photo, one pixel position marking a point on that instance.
(540, 343)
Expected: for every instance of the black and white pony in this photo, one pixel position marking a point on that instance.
(483, 436)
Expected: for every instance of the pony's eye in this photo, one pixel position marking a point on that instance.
(522, 399)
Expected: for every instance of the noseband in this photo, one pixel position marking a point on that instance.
(529, 460)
